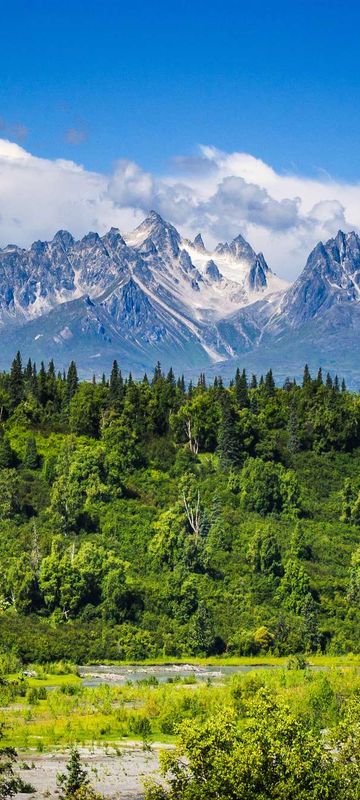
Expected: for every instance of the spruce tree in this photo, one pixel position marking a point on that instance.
(28, 371)
(241, 389)
(158, 375)
(42, 393)
(181, 384)
(253, 382)
(31, 457)
(319, 379)
(170, 378)
(306, 376)
(72, 380)
(7, 455)
(16, 381)
(228, 440)
(328, 382)
(269, 383)
(116, 385)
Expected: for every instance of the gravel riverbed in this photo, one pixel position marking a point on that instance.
(116, 773)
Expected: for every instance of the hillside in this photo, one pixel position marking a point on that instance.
(152, 518)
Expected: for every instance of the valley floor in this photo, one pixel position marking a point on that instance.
(115, 773)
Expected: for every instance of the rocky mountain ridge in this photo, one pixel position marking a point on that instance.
(152, 294)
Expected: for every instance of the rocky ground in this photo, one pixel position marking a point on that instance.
(116, 773)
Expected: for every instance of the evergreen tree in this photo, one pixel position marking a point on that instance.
(170, 378)
(42, 385)
(28, 371)
(16, 381)
(228, 439)
(241, 389)
(319, 379)
(72, 380)
(181, 384)
(328, 383)
(253, 382)
(343, 385)
(7, 455)
(51, 370)
(269, 383)
(116, 385)
(158, 375)
(306, 376)
(336, 384)
(34, 381)
(31, 457)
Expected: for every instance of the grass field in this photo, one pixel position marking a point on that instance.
(42, 718)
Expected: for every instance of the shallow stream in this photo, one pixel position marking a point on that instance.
(96, 675)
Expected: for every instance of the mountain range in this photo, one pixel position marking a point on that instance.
(153, 295)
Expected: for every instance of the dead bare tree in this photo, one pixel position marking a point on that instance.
(193, 442)
(193, 513)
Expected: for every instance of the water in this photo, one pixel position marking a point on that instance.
(119, 676)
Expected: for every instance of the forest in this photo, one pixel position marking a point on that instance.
(155, 518)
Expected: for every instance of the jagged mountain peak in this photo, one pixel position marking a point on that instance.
(330, 278)
(212, 271)
(114, 238)
(162, 234)
(91, 238)
(238, 248)
(198, 243)
(64, 238)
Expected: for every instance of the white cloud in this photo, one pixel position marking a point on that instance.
(219, 193)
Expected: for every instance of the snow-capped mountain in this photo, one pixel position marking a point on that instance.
(149, 287)
(152, 294)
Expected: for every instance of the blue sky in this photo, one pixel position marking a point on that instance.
(104, 80)
(226, 117)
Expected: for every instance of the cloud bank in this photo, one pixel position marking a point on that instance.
(221, 194)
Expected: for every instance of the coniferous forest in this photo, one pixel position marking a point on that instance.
(152, 518)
